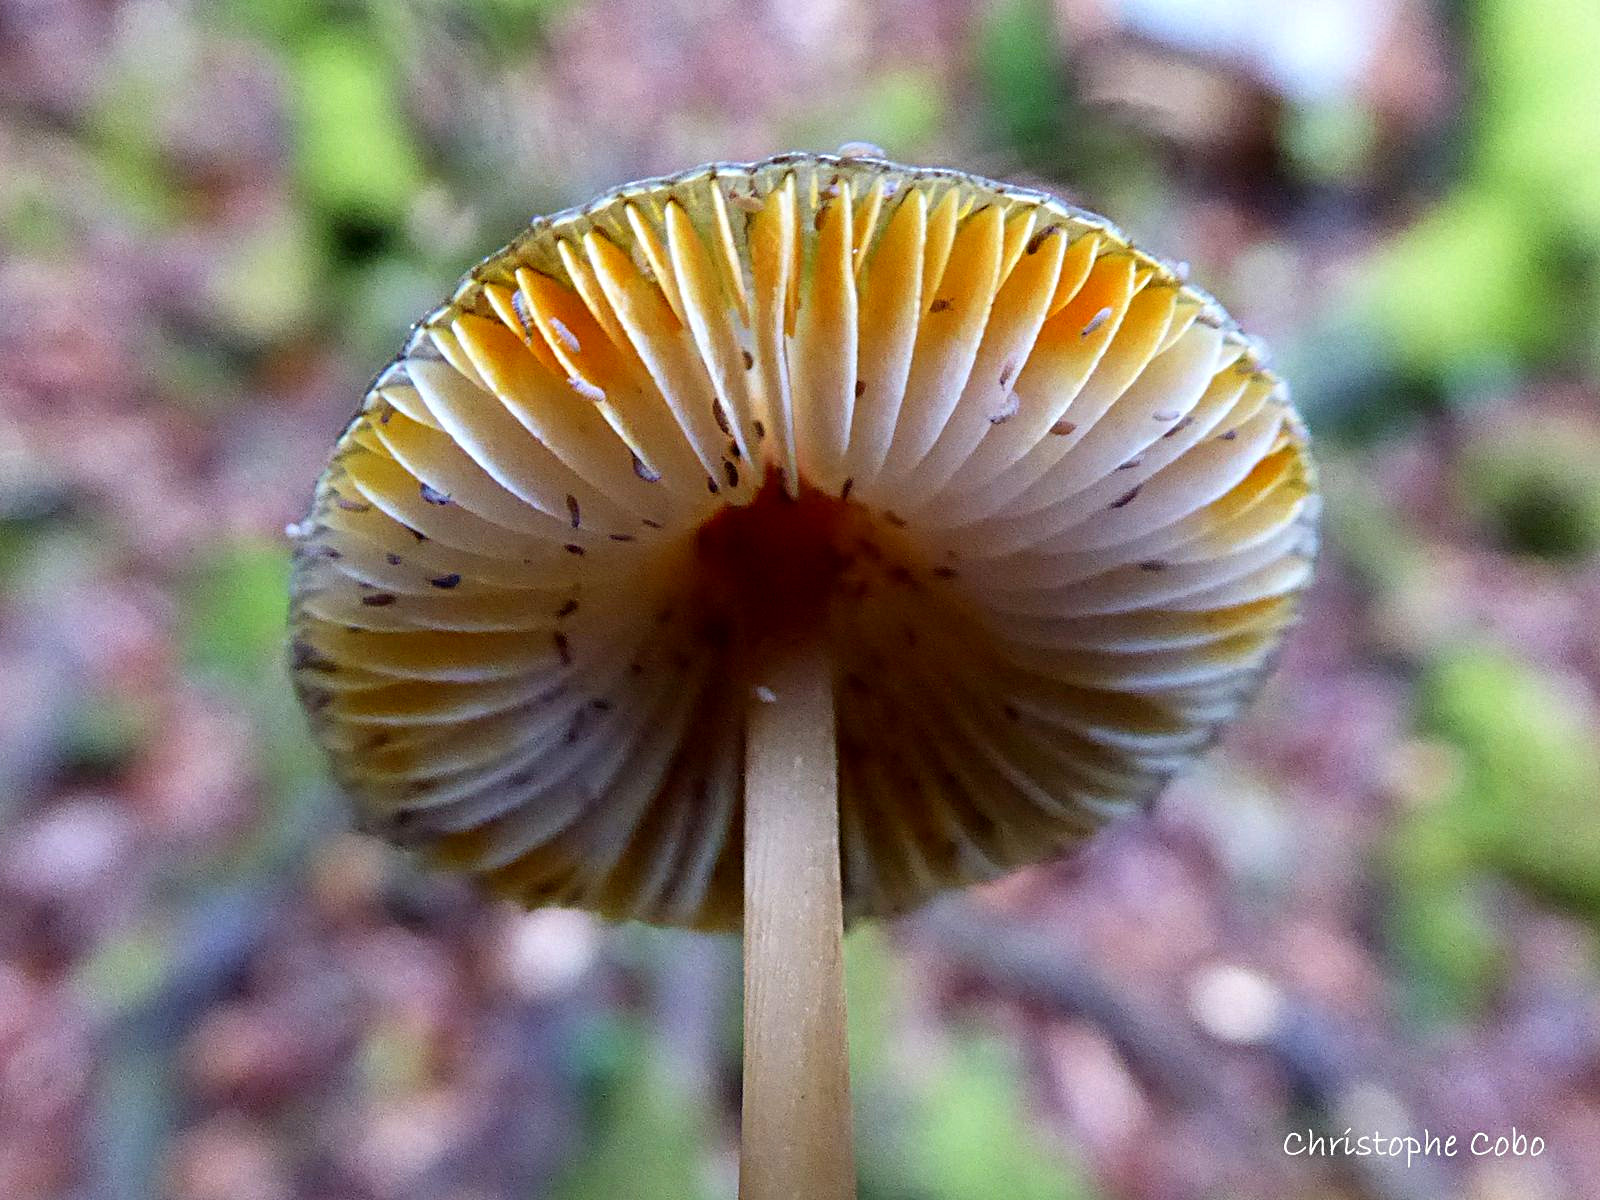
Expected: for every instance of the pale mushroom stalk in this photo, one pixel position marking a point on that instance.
(796, 1129)
(778, 544)
(774, 563)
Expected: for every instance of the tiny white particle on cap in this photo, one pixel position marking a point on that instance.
(765, 694)
(861, 150)
(519, 305)
(1008, 409)
(297, 529)
(586, 389)
(565, 334)
(1099, 319)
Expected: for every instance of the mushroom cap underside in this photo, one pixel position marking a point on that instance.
(1040, 500)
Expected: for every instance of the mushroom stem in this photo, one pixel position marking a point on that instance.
(796, 1137)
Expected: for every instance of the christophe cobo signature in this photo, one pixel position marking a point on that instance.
(1349, 1144)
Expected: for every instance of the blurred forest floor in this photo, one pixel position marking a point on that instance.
(1374, 906)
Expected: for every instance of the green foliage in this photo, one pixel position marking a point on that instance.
(356, 250)
(959, 1132)
(1507, 268)
(898, 109)
(1463, 288)
(31, 217)
(356, 154)
(381, 298)
(1499, 276)
(1531, 789)
(642, 1137)
(1024, 86)
(1537, 489)
(1539, 93)
(1371, 536)
(1523, 810)
(1330, 140)
(902, 107)
(129, 159)
(1029, 113)
(237, 607)
(124, 972)
(974, 1140)
(505, 26)
(1440, 922)
(36, 518)
(275, 20)
(870, 996)
(101, 734)
(268, 289)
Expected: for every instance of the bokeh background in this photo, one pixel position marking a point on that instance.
(1375, 905)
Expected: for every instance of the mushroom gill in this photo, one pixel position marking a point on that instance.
(1039, 501)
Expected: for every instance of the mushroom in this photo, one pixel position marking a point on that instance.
(780, 544)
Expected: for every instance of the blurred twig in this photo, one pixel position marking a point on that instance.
(1033, 967)
(135, 1102)
(213, 938)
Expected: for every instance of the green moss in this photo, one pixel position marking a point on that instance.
(268, 287)
(1024, 86)
(1538, 93)
(962, 1129)
(102, 734)
(974, 1139)
(33, 220)
(355, 152)
(237, 605)
(124, 971)
(642, 1136)
(1537, 489)
(1463, 289)
(235, 610)
(1440, 921)
(1522, 812)
(900, 110)
(1532, 781)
